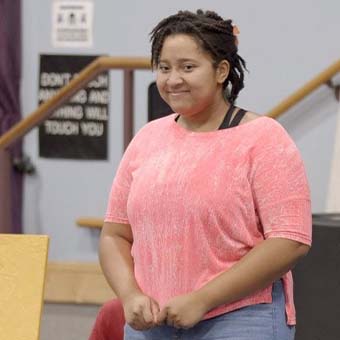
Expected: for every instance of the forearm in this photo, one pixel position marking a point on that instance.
(117, 264)
(264, 264)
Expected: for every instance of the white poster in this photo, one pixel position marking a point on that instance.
(72, 23)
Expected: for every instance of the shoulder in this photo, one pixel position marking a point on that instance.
(271, 140)
(267, 133)
(264, 121)
(249, 116)
(268, 125)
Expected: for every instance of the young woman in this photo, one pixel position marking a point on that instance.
(210, 206)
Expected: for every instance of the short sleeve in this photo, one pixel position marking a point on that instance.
(280, 187)
(117, 204)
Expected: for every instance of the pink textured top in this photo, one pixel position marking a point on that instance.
(197, 202)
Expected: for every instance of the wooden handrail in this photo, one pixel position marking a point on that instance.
(46, 109)
(275, 112)
(321, 79)
(102, 64)
(90, 222)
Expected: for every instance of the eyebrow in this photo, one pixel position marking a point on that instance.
(182, 60)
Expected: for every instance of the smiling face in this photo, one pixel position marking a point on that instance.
(186, 77)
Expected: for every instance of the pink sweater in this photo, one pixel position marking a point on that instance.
(197, 202)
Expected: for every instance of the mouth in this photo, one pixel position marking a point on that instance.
(177, 93)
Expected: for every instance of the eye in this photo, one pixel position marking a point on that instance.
(163, 68)
(188, 67)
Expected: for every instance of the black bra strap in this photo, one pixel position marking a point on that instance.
(225, 124)
(238, 117)
(227, 118)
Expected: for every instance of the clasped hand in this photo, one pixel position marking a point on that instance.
(184, 311)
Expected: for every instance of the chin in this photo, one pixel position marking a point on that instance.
(179, 107)
(185, 111)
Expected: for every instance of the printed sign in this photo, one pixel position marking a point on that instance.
(72, 23)
(78, 130)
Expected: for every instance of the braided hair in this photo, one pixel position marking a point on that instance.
(214, 34)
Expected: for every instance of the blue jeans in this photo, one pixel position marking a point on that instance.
(265, 321)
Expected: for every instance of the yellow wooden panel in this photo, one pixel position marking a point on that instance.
(23, 260)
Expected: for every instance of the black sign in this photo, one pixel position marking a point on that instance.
(77, 130)
(157, 107)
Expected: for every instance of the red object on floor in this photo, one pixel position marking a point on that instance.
(110, 321)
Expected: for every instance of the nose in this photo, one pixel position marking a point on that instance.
(174, 78)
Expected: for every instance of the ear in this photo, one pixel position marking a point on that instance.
(222, 71)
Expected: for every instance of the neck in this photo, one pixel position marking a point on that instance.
(208, 120)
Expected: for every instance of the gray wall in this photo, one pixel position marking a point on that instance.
(285, 44)
(67, 321)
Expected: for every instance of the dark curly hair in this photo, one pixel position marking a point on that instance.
(214, 34)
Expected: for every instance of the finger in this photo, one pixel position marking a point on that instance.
(147, 314)
(170, 320)
(137, 321)
(177, 325)
(140, 324)
(162, 315)
(185, 327)
(154, 310)
(136, 325)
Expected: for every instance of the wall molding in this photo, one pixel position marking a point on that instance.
(76, 282)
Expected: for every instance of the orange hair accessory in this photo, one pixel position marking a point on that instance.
(236, 32)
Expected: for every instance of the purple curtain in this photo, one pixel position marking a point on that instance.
(10, 72)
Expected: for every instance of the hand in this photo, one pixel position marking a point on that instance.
(182, 311)
(141, 311)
